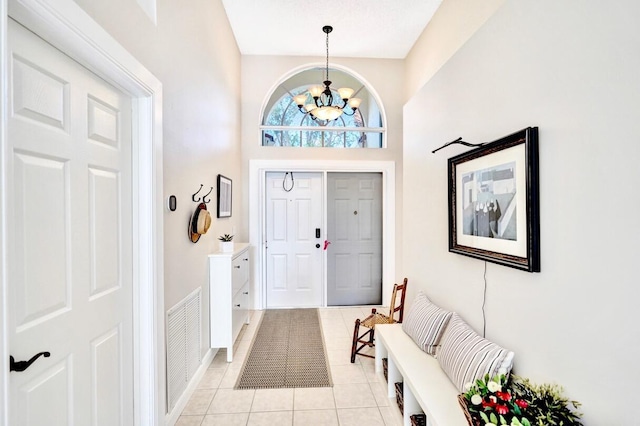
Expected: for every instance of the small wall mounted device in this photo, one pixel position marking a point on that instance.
(172, 203)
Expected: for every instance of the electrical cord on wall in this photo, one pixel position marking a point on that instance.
(284, 181)
(484, 300)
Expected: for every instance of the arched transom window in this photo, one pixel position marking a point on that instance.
(283, 124)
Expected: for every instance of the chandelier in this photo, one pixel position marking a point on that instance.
(322, 107)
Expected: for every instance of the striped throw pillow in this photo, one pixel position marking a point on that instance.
(466, 356)
(425, 323)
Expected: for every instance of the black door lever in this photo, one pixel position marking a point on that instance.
(23, 365)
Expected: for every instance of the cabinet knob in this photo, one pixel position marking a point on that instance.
(237, 267)
(237, 306)
(246, 260)
(246, 292)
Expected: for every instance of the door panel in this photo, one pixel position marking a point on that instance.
(70, 239)
(354, 228)
(51, 388)
(294, 263)
(106, 386)
(39, 95)
(41, 182)
(104, 229)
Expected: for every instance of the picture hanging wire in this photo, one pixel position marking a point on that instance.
(484, 301)
(284, 182)
(461, 142)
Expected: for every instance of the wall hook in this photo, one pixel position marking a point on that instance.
(461, 142)
(204, 197)
(193, 197)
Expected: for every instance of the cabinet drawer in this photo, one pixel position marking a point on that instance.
(239, 309)
(240, 272)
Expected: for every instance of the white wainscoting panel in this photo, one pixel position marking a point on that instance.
(183, 344)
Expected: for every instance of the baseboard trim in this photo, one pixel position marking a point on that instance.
(172, 417)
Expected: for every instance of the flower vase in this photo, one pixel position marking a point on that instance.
(226, 246)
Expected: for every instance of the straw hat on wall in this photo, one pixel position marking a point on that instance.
(199, 222)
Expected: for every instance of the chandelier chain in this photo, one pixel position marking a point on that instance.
(327, 68)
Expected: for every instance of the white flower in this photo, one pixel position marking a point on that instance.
(493, 386)
(502, 371)
(467, 386)
(476, 399)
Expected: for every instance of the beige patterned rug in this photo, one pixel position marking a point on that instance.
(287, 352)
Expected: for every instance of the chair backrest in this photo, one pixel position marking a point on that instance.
(397, 301)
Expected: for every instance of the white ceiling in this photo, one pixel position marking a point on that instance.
(361, 28)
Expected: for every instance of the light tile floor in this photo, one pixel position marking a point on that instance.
(358, 396)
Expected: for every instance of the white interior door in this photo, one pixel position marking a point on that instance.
(70, 240)
(354, 228)
(294, 252)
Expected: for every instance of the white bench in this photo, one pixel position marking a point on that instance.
(427, 387)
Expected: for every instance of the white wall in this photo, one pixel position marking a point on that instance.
(571, 68)
(193, 53)
(452, 25)
(260, 76)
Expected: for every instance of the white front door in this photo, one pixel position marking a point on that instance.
(354, 228)
(70, 240)
(294, 251)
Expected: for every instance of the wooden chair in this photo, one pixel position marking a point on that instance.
(367, 338)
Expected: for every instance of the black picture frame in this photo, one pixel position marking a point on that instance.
(491, 190)
(225, 191)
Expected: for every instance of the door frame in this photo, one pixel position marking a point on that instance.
(257, 214)
(66, 26)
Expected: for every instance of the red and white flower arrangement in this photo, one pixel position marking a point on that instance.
(493, 403)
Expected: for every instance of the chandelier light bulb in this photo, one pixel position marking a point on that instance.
(327, 113)
(300, 99)
(316, 91)
(345, 93)
(354, 103)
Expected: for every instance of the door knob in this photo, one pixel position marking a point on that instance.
(23, 365)
(317, 245)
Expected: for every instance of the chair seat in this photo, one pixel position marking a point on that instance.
(377, 318)
(366, 339)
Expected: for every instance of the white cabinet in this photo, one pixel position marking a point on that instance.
(228, 296)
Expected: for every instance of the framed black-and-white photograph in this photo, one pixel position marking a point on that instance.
(224, 196)
(494, 211)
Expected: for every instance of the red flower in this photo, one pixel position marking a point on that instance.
(488, 403)
(505, 396)
(502, 409)
(521, 403)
